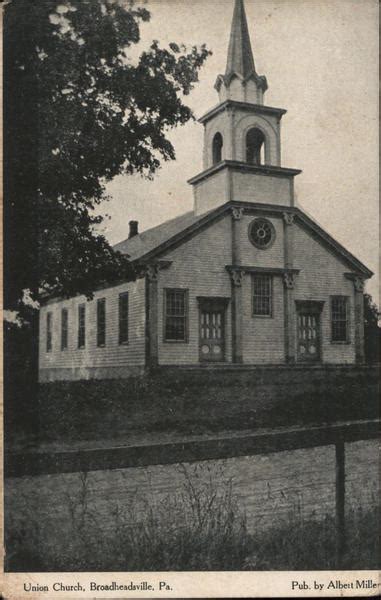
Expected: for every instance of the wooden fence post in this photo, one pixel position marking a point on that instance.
(340, 501)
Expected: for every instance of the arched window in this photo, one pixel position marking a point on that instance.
(255, 145)
(217, 148)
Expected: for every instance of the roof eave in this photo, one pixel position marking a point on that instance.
(357, 265)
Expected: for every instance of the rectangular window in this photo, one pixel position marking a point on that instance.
(81, 325)
(49, 332)
(123, 318)
(64, 328)
(339, 319)
(262, 295)
(175, 315)
(101, 322)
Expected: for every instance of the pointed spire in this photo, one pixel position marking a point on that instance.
(240, 55)
(240, 64)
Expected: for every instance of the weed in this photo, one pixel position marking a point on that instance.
(200, 527)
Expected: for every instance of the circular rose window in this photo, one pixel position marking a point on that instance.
(261, 233)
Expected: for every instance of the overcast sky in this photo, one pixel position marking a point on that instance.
(320, 59)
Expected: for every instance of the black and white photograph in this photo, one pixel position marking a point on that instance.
(192, 318)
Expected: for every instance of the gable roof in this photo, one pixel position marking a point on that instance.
(139, 245)
(153, 242)
(331, 244)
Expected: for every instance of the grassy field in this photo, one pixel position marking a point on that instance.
(198, 403)
(199, 527)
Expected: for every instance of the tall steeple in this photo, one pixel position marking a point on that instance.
(241, 81)
(240, 55)
(242, 145)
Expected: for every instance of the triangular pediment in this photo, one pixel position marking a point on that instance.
(171, 234)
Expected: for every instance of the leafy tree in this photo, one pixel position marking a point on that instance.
(79, 110)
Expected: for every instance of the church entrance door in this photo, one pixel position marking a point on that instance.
(309, 335)
(308, 338)
(212, 329)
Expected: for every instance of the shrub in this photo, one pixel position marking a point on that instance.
(199, 528)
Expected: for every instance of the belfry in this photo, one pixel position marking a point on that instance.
(246, 278)
(242, 145)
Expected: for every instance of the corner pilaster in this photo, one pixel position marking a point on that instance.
(288, 230)
(289, 285)
(358, 284)
(237, 276)
(205, 150)
(152, 353)
(231, 151)
(236, 213)
(289, 317)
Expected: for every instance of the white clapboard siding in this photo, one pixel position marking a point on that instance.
(321, 276)
(112, 354)
(198, 266)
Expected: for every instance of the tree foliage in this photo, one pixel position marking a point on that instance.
(80, 108)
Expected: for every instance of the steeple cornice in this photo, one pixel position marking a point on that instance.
(240, 166)
(246, 106)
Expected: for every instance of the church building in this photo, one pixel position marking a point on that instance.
(246, 278)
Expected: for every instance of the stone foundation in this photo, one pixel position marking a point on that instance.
(78, 373)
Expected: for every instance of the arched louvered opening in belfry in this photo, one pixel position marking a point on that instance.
(255, 147)
(218, 142)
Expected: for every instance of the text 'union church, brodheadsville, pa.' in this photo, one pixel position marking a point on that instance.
(246, 278)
